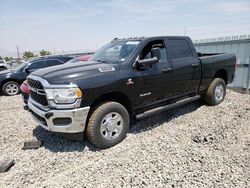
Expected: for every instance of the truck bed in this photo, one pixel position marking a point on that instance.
(212, 63)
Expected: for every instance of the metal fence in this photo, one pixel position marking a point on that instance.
(240, 45)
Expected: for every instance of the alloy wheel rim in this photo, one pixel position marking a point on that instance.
(12, 89)
(219, 92)
(111, 125)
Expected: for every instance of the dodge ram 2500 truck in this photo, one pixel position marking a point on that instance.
(125, 79)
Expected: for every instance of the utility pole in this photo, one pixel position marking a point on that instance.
(185, 32)
(96, 46)
(18, 55)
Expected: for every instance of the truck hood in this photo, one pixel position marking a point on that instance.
(66, 73)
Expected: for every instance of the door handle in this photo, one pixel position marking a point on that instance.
(166, 70)
(195, 64)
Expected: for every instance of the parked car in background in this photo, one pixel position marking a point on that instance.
(3, 65)
(14, 63)
(10, 80)
(25, 89)
(126, 79)
(80, 58)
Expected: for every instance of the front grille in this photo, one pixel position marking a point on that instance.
(41, 119)
(35, 84)
(39, 98)
(37, 92)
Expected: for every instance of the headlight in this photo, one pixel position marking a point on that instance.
(63, 96)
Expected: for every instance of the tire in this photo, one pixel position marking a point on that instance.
(216, 92)
(108, 125)
(3, 68)
(11, 88)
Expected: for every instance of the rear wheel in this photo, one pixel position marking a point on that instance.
(216, 92)
(11, 88)
(108, 125)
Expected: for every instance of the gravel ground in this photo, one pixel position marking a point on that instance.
(192, 146)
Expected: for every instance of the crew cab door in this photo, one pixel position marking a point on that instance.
(151, 82)
(186, 67)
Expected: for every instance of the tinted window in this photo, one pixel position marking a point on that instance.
(38, 65)
(179, 48)
(21, 67)
(65, 59)
(53, 62)
(163, 54)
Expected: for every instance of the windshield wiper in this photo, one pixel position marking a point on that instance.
(99, 60)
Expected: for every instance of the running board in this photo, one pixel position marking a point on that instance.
(167, 107)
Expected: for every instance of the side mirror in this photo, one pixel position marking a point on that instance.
(147, 62)
(27, 70)
(156, 52)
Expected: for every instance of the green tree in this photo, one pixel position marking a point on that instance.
(44, 52)
(1, 58)
(28, 54)
(6, 59)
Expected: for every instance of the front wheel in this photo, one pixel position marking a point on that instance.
(108, 125)
(11, 88)
(216, 92)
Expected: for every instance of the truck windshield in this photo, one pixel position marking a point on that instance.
(116, 52)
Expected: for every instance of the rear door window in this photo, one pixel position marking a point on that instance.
(37, 65)
(179, 48)
(53, 62)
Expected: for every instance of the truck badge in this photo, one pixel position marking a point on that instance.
(145, 94)
(130, 81)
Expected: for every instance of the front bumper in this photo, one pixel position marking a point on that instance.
(60, 120)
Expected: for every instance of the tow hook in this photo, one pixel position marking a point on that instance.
(26, 107)
(48, 115)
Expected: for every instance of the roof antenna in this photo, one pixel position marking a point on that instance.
(114, 39)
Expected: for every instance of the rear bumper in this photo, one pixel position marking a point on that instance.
(63, 121)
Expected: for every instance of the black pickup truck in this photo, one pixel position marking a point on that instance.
(125, 79)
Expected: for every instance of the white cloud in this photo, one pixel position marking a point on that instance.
(41, 20)
(145, 10)
(232, 7)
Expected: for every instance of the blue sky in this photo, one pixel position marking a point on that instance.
(76, 25)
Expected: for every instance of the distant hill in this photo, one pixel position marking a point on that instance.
(8, 53)
(4, 53)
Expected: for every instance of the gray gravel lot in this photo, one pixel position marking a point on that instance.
(192, 146)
